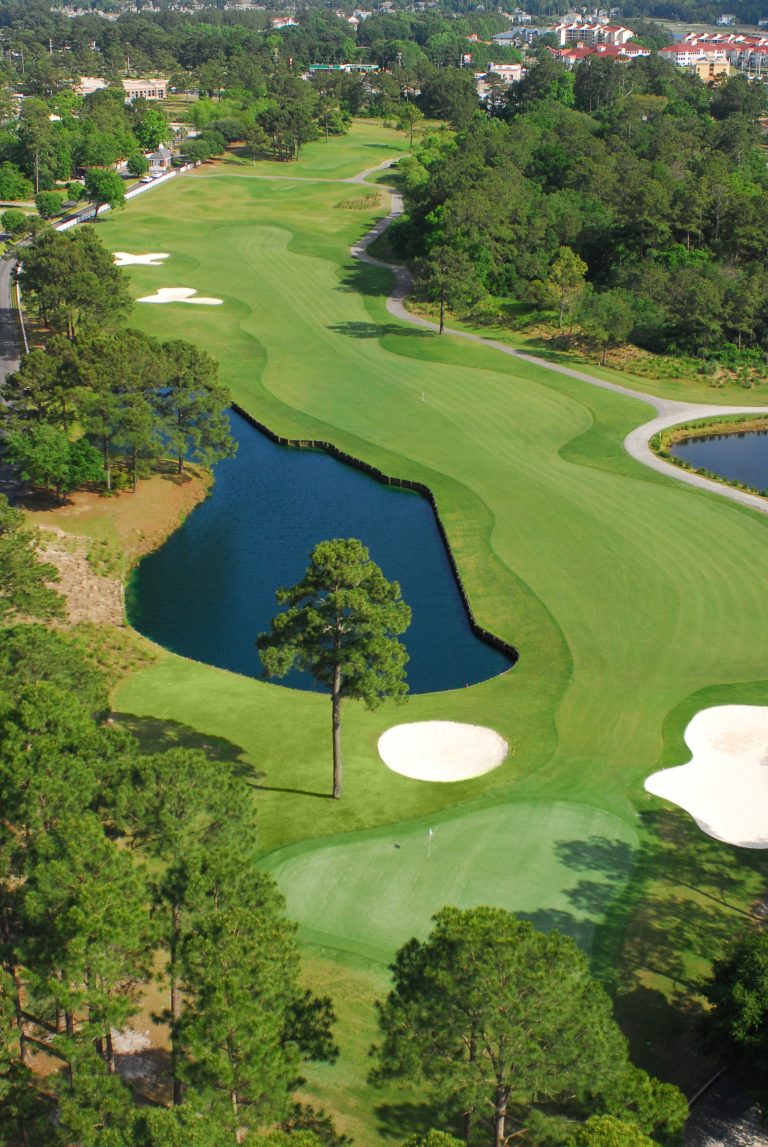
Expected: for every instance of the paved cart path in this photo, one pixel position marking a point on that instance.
(669, 412)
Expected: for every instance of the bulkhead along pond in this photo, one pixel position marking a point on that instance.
(738, 456)
(210, 589)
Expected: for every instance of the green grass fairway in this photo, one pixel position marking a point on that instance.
(367, 145)
(376, 891)
(629, 596)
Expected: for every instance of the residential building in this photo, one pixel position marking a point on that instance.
(577, 32)
(573, 55)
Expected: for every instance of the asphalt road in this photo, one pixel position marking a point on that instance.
(9, 342)
(725, 1117)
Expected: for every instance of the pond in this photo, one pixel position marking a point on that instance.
(210, 589)
(740, 457)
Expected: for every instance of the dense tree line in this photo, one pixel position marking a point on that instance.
(103, 402)
(653, 183)
(222, 54)
(114, 864)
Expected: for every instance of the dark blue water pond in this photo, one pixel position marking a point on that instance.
(740, 457)
(210, 589)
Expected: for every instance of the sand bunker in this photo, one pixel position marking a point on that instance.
(123, 259)
(725, 785)
(180, 295)
(441, 750)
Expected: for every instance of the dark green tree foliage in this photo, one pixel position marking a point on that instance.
(14, 222)
(656, 183)
(122, 372)
(192, 404)
(26, 585)
(104, 187)
(736, 1027)
(137, 164)
(74, 280)
(46, 457)
(433, 1139)
(448, 276)
(30, 654)
(341, 625)
(49, 203)
(244, 1027)
(13, 185)
(608, 1131)
(498, 1019)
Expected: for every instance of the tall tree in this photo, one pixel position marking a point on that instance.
(26, 584)
(566, 279)
(736, 1027)
(75, 281)
(104, 187)
(606, 317)
(192, 405)
(497, 1018)
(447, 275)
(246, 1025)
(341, 625)
(46, 457)
(122, 372)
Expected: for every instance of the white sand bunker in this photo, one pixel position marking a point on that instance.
(441, 750)
(123, 259)
(725, 785)
(180, 295)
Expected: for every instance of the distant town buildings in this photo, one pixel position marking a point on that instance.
(577, 32)
(156, 89)
(572, 55)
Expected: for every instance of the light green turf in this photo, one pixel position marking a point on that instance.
(376, 891)
(626, 592)
(368, 145)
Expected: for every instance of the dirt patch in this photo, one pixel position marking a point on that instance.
(89, 597)
(93, 541)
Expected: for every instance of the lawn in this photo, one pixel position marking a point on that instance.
(629, 596)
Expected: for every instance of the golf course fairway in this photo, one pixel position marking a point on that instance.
(631, 599)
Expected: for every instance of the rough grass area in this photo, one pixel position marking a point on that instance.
(629, 596)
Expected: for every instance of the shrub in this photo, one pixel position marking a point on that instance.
(14, 185)
(137, 164)
(49, 203)
(14, 222)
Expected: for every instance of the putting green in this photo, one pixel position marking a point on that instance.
(559, 865)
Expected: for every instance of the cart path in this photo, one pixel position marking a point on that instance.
(669, 412)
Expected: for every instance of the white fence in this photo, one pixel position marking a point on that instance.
(139, 189)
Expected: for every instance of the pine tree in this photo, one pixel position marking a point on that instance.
(341, 625)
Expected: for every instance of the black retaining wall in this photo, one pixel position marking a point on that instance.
(405, 483)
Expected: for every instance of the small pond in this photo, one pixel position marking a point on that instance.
(740, 457)
(210, 589)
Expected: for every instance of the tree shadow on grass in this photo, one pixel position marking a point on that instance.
(688, 897)
(363, 330)
(566, 923)
(401, 1120)
(158, 736)
(364, 279)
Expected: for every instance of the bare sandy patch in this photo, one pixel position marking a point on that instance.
(154, 259)
(441, 751)
(180, 295)
(88, 596)
(724, 786)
